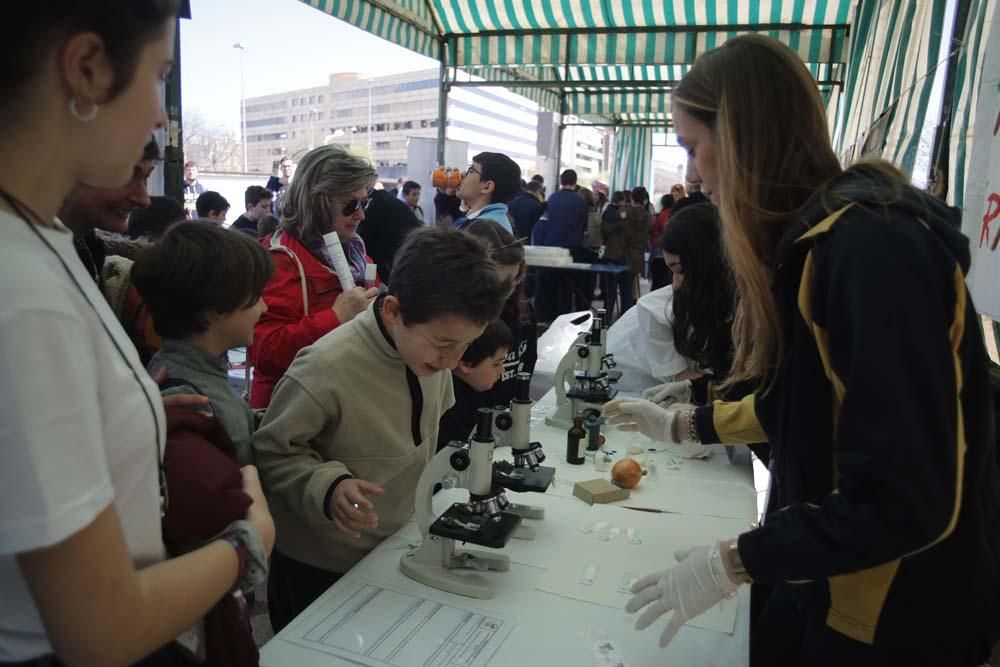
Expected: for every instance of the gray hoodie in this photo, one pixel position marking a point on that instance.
(205, 374)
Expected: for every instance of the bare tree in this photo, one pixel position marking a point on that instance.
(214, 148)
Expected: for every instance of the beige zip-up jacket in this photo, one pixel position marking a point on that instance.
(347, 406)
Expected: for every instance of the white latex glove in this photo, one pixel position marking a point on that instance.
(636, 414)
(693, 586)
(668, 393)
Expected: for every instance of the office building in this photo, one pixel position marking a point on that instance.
(377, 116)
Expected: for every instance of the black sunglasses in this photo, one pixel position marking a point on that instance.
(352, 205)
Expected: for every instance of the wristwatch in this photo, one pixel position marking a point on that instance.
(736, 563)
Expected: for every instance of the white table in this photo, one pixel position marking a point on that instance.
(553, 630)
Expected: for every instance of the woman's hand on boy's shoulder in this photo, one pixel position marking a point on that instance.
(191, 400)
(351, 510)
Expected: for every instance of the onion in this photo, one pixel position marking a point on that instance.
(626, 473)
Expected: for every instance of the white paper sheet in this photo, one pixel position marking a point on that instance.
(378, 626)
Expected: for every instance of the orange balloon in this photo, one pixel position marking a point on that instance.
(626, 473)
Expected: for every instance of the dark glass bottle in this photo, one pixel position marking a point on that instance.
(574, 442)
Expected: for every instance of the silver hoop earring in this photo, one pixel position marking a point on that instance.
(79, 116)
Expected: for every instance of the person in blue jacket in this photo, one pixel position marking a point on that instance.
(492, 180)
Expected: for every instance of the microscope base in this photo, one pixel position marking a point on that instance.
(435, 563)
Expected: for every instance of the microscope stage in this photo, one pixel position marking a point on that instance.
(522, 480)
(463, 526)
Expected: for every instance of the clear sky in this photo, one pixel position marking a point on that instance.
(289, 45)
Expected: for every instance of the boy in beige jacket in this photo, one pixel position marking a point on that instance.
(354, 421)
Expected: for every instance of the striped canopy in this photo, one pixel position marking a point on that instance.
(606, 61)
(615, 62)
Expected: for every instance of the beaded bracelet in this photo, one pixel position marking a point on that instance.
(692, 428)
(242, 553)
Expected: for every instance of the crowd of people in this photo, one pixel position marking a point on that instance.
(816, 313)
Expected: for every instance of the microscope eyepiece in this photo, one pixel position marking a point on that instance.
(484, 425)
(522, 387)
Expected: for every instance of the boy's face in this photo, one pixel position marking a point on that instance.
(218, 217)
(473, 187)
(257, 211)
(485, 374)
(236, 328)
(432, 346)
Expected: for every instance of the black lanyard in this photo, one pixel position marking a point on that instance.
(21, 208)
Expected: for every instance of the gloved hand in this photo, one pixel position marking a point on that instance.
(694, 585)
(636, 414)
(668, 393)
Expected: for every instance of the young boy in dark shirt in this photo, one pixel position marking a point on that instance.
(480, 368)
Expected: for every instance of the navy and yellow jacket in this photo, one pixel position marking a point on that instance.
(885, 473)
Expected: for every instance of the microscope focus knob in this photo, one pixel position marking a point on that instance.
(504, 421)
(460, 460)
(583, 352)
(449, 481)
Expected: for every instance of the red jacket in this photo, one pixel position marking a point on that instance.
(204, 495)
(660, 223)
(299, 300)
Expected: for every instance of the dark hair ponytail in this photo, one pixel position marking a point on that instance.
(705, 302)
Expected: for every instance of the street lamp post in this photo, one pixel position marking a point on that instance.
(243, 99)
(371, 154)
(312, 135)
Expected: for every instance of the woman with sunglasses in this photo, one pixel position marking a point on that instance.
(880, 544)
(304, 298)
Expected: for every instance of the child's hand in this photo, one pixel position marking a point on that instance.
(351, 511)
(352, 303)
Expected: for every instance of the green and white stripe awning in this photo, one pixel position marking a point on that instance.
(966, 97)
(894, 55)
(648, 46)
(633, 163)
(636, 48)
(616, 61)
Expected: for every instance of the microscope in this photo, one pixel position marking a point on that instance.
(584, 376)
(485, 519)
(512, 427)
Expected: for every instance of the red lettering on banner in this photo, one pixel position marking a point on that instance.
(992, 211)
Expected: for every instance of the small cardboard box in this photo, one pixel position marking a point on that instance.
(598, 491)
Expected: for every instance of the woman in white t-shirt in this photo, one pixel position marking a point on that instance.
(82, 428)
